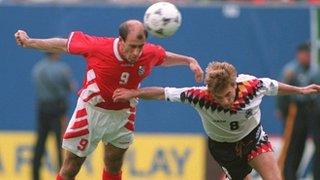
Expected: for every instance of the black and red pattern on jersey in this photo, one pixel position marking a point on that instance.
(246, 91)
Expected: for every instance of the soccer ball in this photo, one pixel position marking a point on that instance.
(162, 19)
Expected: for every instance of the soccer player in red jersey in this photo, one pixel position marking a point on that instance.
(112, 63)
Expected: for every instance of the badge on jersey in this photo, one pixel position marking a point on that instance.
(141, 70)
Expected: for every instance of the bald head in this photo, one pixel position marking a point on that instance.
(133, 27)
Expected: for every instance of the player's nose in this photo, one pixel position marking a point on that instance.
(136, 52)
(225, 102)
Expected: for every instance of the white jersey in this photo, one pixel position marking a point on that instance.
(227, 125)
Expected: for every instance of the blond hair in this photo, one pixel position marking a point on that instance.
(220, 75)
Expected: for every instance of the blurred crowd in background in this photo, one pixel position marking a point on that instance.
(181, 2)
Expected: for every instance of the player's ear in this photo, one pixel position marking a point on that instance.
(121, 40)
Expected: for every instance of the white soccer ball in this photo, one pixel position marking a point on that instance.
(162, 19)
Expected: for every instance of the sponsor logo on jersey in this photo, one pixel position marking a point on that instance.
(219, 121)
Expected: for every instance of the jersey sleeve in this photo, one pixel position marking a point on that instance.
(269, 86)
(80, 43)
(174, 94)
(160, 55)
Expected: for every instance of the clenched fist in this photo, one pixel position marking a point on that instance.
(21, 38)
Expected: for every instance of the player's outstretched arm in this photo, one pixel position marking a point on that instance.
(173, 59)
(123, 95)
(54, 45)
(285, 89)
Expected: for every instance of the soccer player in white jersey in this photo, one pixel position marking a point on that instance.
(229, 108)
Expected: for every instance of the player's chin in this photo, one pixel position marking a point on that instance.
(226, 106)
(132, 61)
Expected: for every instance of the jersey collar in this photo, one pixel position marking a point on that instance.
(116, 50)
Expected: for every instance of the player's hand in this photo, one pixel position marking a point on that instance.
(21, 38)
(123, 95)
(198, 73)
(311, 89)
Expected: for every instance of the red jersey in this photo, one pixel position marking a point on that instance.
(107, 71)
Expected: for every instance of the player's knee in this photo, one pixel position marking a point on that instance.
(113, 164)
(71, 166)
(69, 170)
(114, 156)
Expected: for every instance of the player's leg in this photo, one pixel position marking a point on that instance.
(117, 142)
(70, 167)
(80, 139)
(71, 143)
(260, 155)
(234, 166)
(113, 159)
(42, 134)
(266, 165)
(116, 145)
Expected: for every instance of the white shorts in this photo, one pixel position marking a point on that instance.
(90, 124)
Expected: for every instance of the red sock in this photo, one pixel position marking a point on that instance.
(109, 176)
(59, 177)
